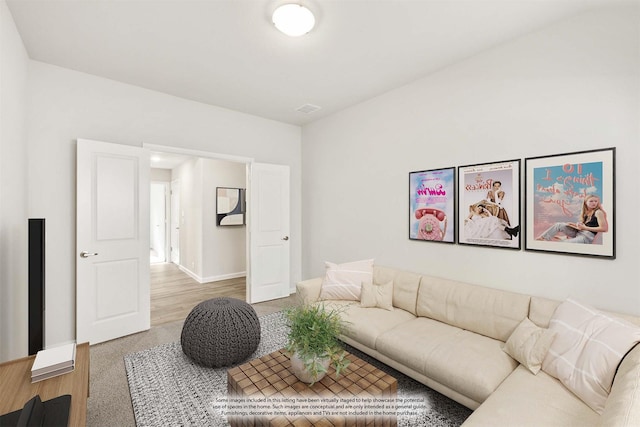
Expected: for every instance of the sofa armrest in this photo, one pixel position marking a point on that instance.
(309, 290)
(623, 404)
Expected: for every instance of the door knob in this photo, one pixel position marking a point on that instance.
(85, 254)
(285, 238)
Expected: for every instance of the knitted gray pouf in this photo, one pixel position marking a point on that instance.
(220, 332)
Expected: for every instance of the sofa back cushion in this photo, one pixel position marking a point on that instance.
(489, 312)
(405, 286)
(541, 310)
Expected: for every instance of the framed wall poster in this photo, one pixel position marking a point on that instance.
(230, 206)
(432, 205)
(570, 203)
(489, 204)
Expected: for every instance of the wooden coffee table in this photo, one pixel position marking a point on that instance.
(264, 392)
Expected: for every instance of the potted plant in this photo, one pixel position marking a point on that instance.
(313, 341)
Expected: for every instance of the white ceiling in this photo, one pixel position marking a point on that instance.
(227, 53)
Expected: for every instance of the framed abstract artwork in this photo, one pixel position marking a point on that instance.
(230, 206)
(432, 205)
(570, 203)
(489, 204)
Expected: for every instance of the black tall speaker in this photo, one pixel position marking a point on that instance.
(36, 284)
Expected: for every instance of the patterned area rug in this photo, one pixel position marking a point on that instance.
(167, 388)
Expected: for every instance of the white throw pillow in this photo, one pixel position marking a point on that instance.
(343, 281)
(374, 295)
(528, 344)
(587, 350)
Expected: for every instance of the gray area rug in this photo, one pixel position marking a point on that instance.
(168, 389)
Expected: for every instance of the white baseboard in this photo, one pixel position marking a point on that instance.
(208, 279)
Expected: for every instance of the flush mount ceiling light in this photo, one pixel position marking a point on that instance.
(293, 20)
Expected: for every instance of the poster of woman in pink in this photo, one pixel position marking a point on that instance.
(570, 203)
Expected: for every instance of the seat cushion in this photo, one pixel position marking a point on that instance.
(469, 363)
(527, 400)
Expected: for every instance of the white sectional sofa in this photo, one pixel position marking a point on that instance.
(449, 336)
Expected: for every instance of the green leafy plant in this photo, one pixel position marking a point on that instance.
(314, 337)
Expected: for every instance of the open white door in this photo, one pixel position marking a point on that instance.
(268, 220)
(112, 241)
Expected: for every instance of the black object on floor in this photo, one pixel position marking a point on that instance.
(51, 413)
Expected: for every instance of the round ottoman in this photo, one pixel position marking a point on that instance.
(220, 332)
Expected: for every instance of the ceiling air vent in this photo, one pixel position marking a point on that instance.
(308, 108)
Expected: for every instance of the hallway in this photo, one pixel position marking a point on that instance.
(174, 293)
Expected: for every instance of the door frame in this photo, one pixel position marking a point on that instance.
(248, 162)
(211, 155)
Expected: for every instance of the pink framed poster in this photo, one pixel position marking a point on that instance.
(432, 205)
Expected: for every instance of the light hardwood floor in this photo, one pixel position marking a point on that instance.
(174, 294)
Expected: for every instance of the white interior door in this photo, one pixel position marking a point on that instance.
(175, 222)
(268, 220)
(112, 241)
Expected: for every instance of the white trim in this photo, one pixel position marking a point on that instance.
(210, 279)
(197, 153)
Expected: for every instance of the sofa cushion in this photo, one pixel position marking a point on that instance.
(527, 400)
(623, 404)
(587, 350)
(343, 281)
(471, 364)
(529, 344)
(405, 286)
(365, 325)
(375, 295)
(462, 305)
(541, 310)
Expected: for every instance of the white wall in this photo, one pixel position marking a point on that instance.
(158, 216)
(190, 175)
(65, 105)
(209, 252)
(13, 191)
(570, 87)
(223, 248)
(162, 175)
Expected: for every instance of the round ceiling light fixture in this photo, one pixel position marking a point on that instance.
(293, 19)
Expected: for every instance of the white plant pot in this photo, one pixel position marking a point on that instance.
(299, 370)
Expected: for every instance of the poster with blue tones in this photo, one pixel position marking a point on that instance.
(432, 205)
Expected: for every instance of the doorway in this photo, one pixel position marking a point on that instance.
(203, 259)
(158, 243)
(209, 252)
(125, 172)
